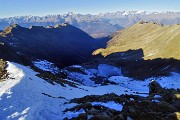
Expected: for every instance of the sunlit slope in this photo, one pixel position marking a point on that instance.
(157, 41)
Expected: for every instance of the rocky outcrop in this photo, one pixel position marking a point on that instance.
(3, 71)
(155, 88)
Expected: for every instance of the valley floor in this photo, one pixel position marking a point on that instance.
(25, 96)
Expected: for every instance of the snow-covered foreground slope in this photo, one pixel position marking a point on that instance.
(21, 95)
(25, 96)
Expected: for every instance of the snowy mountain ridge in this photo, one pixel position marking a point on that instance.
(100, 25)
(101, 14)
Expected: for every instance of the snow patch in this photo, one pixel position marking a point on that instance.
(46, 66)
(84, 79)
(15, 75)
(133, 85)
(110, 104)
(71, 115)
(105, 70)
(172, 81)
(155, 101)
(76, 66)
(157, 96)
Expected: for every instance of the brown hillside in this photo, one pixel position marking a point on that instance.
(156, 41)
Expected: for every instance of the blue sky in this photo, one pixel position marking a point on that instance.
(44, 7)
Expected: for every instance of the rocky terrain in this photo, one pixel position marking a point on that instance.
(48, 73)
(100, 25)
(162, 104)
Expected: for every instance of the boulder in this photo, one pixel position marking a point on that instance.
(154, 87)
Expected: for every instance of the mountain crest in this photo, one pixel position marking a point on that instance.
(9, 30)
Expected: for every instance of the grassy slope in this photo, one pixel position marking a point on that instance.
(157, 41)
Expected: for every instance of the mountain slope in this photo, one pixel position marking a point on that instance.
(156, 41)
(58, 44)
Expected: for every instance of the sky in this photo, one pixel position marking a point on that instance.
(10, 8)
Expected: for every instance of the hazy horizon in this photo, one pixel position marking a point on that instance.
(45, 7)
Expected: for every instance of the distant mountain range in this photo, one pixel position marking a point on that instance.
(100, 25)
(62, 44)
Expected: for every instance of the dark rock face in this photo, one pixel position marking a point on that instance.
(63, 44)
